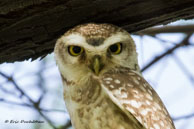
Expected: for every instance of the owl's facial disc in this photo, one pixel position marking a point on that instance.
(88, 50)
(96, 64)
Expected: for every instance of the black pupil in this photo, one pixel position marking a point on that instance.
(114, 48)
(76, 49)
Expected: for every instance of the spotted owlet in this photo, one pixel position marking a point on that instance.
(103, 85)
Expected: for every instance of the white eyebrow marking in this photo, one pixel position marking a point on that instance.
(78, 39)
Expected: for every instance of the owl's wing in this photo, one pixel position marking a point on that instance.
(137, 99)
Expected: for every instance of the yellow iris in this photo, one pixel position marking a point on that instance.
(116, 48)
(75, 50)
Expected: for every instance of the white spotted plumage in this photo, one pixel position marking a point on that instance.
(105, 90)
(145, 104)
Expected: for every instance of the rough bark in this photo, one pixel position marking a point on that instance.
(29, 28)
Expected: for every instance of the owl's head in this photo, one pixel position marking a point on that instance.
(92, 49)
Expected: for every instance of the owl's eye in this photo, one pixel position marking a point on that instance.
(75, 50)
(116, 48)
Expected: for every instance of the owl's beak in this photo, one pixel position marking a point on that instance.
(96, 65)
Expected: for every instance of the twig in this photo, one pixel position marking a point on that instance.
(183, 117)
(183, 67)
(31, 106)
(162, 40)
(35, 104)
(16, 86)
(167, 29)
(15, 103)
(7, 91)
(169, 51)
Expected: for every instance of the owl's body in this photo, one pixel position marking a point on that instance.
(90, 109)
(103, 87)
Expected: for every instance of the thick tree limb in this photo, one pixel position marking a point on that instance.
(29, 28)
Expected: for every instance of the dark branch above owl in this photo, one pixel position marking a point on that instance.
(29, 28)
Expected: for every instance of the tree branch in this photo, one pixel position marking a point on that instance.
(29, 28)
(184, 69)
(183, 117)
(31, 106)
(167, 29)
(35, 105)
(169, 51)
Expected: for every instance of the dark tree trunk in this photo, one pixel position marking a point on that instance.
(29, 28)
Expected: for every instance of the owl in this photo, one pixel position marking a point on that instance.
(103, 85)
